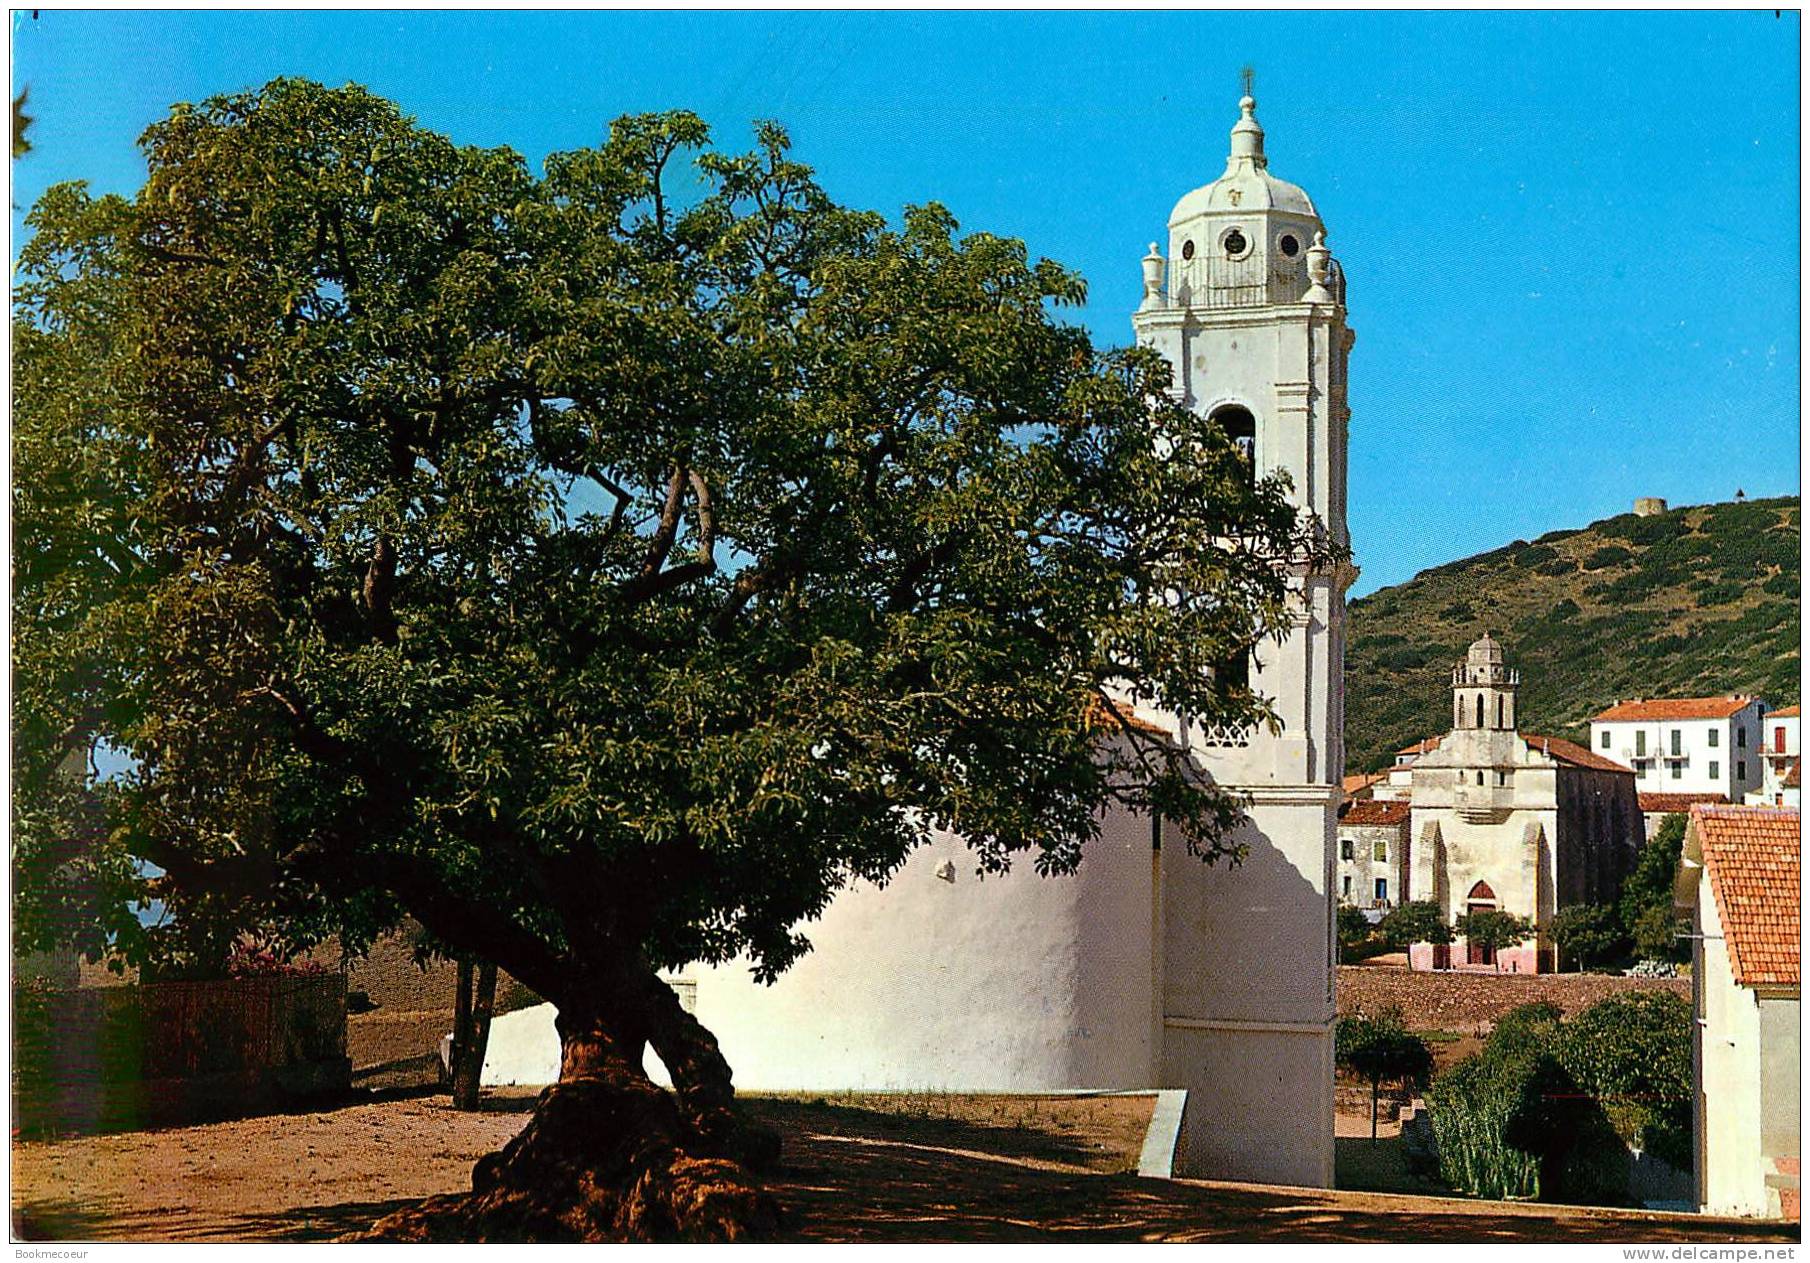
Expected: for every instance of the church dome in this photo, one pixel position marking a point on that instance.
(1247, 184)
(1484, 652)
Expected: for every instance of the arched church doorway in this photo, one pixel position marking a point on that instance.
(1481, 899)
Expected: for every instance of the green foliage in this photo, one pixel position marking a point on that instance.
(1473, 1107)
(1380, 1049)
(1586, 933)
(21, 124)
(1645, 906)
(1608, 555)
(1631, 1054)
(1493, 929)
(604, 565)
(1655, 935)
(1418, 921)
(1619, 626)
(1354, 927)
(1548, 1106)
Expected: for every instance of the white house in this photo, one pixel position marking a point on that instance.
(1781, 760)
(1147, 968)
(1686, 745)
(1373, 853)
(1738, 884)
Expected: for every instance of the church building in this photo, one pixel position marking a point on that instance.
(1146, 969)
(1504, 820)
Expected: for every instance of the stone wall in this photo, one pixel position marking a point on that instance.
(1471, 1002)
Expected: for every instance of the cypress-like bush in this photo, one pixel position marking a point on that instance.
(1473, 1107)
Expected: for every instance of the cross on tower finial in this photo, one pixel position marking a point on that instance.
(1248, 76)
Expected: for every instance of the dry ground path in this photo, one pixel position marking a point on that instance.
(911, 1170)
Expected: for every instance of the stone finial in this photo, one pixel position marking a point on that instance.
(1247, 135)
(1153, 278)
(1319, 271)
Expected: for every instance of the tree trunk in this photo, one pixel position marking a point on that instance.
(1375, 1089)
(608, 1155)
(468, 1057)
(461, 1031)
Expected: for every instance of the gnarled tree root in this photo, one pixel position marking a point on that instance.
(601, 1160)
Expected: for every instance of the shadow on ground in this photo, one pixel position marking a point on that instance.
(858, 1181)
(851, 1174)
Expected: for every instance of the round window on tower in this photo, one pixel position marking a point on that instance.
(1187, 249)
(1289, 246)
(1235, 244)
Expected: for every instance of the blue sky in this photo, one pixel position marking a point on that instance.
(1572, 239)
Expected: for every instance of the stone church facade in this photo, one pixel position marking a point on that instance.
(1505, 820)
(1146, 968)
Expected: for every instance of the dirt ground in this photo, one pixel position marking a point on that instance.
(925, 1168)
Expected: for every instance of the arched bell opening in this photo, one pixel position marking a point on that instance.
(1241, 427)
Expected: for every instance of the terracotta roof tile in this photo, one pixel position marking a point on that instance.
(1422, 746)
(1573, 753)
(1751, 857)
(1790, 712)
(1099, 717)
(1361, 781)
(1375, 811)
(1673, 708)
(1793, 778)
(1678, 802)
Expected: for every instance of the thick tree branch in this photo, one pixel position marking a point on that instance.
(661, 543)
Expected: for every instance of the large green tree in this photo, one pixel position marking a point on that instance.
(603, 566)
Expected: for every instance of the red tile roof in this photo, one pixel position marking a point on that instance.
(1361, 781)
(1573, 753)
(1793, 779)
(1677, 802)
(1790, 712)
(1421, 747)
(1751, 858)
(1375, 811)
(1673, 708)
(1099, 717)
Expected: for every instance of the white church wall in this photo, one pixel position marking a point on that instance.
(1015, 982)
(1259, 1106)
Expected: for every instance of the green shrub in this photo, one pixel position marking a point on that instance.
(1473, 1107)
(1533, 554)
(1608, 555)
(1644, 530)
(1585, 933)
(1631, 1054)
(1720, 594)
(1557, 566)
(1784, 583)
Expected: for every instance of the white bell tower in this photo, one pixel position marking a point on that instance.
(1249, 309)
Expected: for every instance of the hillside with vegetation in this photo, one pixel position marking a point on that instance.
(1699, 601)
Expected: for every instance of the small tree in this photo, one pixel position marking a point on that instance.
(1647, 893)
(1656, 934)
(1416, 922)
(1354, 930)
(1493, 929)
(1586, 932)
(1381, 1049)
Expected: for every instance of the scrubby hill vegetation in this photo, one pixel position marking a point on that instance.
(1699, 601)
